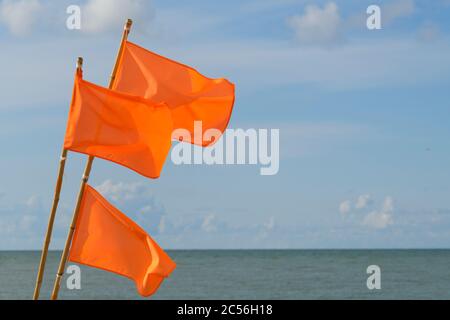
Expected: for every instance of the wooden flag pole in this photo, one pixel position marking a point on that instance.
(87, 171)
(51, 219)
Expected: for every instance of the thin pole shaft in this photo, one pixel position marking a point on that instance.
(87, 171)
(65, 253)
(51, 219)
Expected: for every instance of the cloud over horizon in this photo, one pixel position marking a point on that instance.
(105, 15)
(382, 218)
(374, 219)
(19, 16)
(317, 26)
(136, 200)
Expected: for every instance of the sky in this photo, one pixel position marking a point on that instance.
(363, 118)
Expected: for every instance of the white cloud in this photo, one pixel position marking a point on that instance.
(136, 200)
(121, 191)
(269, 225)
(19, 16)
(362, 201)
(396, 9)
(343, 26)
(34, 202)
(316, 25)
(104, 15)
(22, 224)
(345, 207)
(27, 221)
(388, 205)
(266, 229)
(208, 223)
(380, 219)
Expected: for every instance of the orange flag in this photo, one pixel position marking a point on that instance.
(189, 95)
(105, 238)
(125, 129)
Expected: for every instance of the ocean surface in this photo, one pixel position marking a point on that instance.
(251, 274)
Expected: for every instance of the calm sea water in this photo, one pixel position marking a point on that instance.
(252, 274)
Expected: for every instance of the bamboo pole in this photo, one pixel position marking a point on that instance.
(51, 219)
(87, 171)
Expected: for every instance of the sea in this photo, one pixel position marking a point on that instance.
(252, 274)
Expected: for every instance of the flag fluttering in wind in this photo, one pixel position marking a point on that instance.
(128, 130)
(131, 123)
(189, 95)
(105, 238)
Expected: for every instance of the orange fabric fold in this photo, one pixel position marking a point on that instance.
(105, 238)
(189, 95)
(131, 131)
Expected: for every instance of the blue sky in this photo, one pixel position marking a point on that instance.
(363, 118)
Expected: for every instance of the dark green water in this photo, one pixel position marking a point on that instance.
(252, 274)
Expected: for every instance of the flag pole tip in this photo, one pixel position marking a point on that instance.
(79, 62)
(128, 24)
